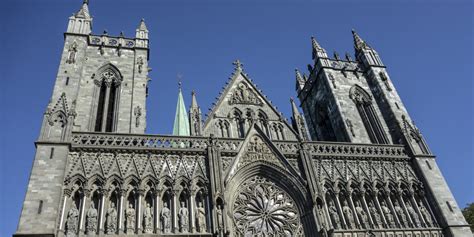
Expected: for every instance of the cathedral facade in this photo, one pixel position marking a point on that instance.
(351, 164)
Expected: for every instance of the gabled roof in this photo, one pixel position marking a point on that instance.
(238, 72)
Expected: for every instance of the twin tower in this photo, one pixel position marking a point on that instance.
(352, 164)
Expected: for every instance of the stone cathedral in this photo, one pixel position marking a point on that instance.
(351, 163)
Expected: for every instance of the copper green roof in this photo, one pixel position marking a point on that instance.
(181, 122)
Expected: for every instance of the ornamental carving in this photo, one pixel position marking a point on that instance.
(243, 94)
(263, 209)
(257, 150)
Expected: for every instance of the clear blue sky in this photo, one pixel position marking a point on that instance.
(427, 46)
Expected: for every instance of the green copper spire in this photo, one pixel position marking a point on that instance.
(181, 122)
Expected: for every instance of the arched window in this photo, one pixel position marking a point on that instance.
(368, 115)
(263, 122)
(236, 115)
(108, 87)
(323, 124)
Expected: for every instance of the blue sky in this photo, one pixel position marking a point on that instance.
(427, 46)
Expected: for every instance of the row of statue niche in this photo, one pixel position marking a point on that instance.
(377, 219)
(130, 219)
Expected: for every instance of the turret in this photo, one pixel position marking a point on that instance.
(81, 22)
(195, 119)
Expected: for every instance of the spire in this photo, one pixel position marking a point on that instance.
(300, 81)
(142, 25)
(195, 116)
(81, 21)
(297, 121)
(142, 30)
(294, 108)
(193, 100)
(318, 51)
(181, 122)
(358, 42)
(84, 11)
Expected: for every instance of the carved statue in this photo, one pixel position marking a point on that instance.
(72, 54)
(414, 215)
(71, 222)
(111, 220)
(220, 224)
(148, 219)
(426, 214)
(183, 218)
(401, 214)
(388, 214)
(165, 218)
(334, 216)
(201, 218)
(376, 216)
(91, 218)
(348, 214)
(130, 219)
(363, 218)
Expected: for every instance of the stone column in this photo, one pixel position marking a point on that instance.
(417, 209)
(156, 215)
(366, 207)
(175, 228)
(101, 212)
(106, 105)
(339, 208)
(394, 213)
(138, 224)
(81, 212)
(402, 204)
(66, 195)
(121, 211)
(377, 205)
(192, 226)
(326, 210)
(352, 206)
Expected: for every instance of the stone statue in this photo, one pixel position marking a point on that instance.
(334, 216)
(91, 218)
(414, 216)
(401, 214)
(165, 218)
(183, 218)
(348, 214)
(111, 220)
(201, 218)
(388, 215)
(148, 219)
(426, 214)
(71, 222)
(220, 224)
(376, 216)
(130, 219)
(363, 218)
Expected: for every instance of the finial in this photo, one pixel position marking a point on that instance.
(336, 56)
(85, 2)
(238, 65)
(105, 32)
(291, 99)
(348, 57)
(121, 34)
(193, 93)
(358, 42)
(179, 77)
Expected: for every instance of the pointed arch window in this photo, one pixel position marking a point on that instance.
(323, 124)
(108, 88)
(369, 117)
(263, 122)
(239, 122)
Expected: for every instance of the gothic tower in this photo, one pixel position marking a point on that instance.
(100, 86)
(355, 101)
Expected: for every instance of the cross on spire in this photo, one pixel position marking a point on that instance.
(238, 65)
(179, 77)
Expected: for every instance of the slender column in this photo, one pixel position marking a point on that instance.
(175, 212)
(156, 215)
(101, 212)
(330, 225)
(191, 211)
(417, 209)
(394, 213)
(208, 212)
(382, 214)
(354, 213)
(138, 225)
(427, 206)
(83, 207)
(66, 195)
(106, 106)
(366, 207)
(121, 211)
(338, 205)
(400, 200)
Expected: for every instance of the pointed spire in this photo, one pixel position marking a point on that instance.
(318, 51)
(194, 103)
(238, 65)
(294, 108)
(142, 25)
(181, 122)
(299, 78)
(359, 43)
(142, 33)
(84, 11)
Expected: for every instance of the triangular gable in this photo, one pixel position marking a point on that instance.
(257, 147)
(242, 94)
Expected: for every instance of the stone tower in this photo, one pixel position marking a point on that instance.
(355, 101)
(101, 86)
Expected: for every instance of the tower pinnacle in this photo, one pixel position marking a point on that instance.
(181, 122)
(359, 43)
(318, 51)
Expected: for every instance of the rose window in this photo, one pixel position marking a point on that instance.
(263, 209)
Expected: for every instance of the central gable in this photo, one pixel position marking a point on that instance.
(240, 106)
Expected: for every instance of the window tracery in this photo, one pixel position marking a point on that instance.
(108, 89)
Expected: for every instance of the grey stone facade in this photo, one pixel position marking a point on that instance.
(352, 164)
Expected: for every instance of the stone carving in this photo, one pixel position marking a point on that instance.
(375, 215)
(363, 218)
(201, 218)
(414, 216)
(140, 64)
(91, 219)
(243, 94)
(348, 215)
(165, 218)
(258, 150)
(426, 214)
(111, 219)
(350, 126)
(401, 214)
(71, 222)
(263, 209)
(333, 80)
(148, 219)
(336, 222)
(130, 219)
(220, 220)
(384, 79)
(138, 113)
(388, 214)
(183, 218)
(71, 58)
